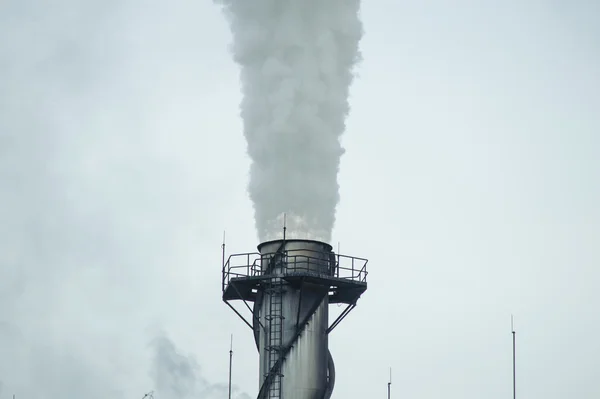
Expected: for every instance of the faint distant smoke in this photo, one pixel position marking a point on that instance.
(178, 377)
(297, 59)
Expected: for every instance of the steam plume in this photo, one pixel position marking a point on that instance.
(178, 377)
(296, 59)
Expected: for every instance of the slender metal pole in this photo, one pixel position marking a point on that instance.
(284, 225)
(230, 363)
(390, 384)
(223, 247)
(223, 262)
(337, 265)
(514, 357)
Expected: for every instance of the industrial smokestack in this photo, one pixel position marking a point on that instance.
(297, 59)
(291, 283)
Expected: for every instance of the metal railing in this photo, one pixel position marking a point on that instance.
(299, 261)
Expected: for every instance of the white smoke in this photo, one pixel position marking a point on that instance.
(178, 377)
(296, 59)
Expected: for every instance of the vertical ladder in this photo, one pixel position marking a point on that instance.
(275, 337)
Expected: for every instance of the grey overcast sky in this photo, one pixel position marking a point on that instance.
(471, 181)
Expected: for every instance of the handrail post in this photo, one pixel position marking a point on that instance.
(307, 264)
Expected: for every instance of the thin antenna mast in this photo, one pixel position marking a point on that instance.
(223, 247)
(512, 327)
(284, 226)
(230, 363)
(223, 261)
(337, 266)
(390, 384)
